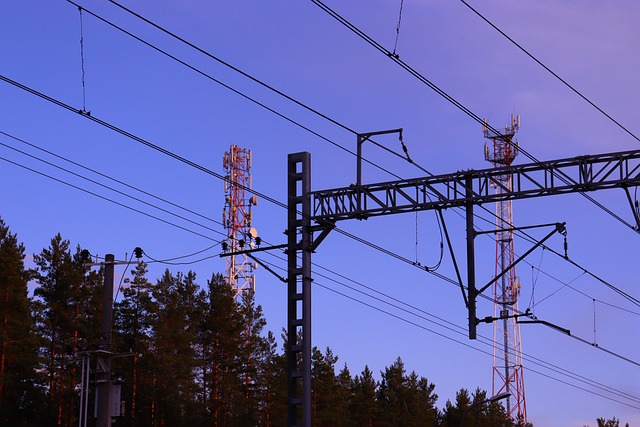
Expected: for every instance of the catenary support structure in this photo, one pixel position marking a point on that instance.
(316, 212)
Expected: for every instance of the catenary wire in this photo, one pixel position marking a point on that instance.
(107, 199)
(408, 261)
(292, 99)
(202, 216)
(158, 261)
(110, 188)
(612, 353)
(456, 103)
(458, 330)
(146, 193)
(286, 96)
(84, 93)
(248, 76)
(138, 139)
(141, 140)
(486, 340)
(253, 100)
(168, 260)
(186, 161)
(395, 45)
(342, 232)
(526, 236)
(271, 88)
(125, 184)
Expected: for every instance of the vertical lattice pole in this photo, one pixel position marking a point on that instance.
(507, 347)
(237, 218)
(299, 290)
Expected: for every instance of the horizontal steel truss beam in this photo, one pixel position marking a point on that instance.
(578, 174)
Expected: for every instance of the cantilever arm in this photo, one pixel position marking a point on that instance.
(560, 227)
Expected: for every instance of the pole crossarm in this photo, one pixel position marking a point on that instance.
(570, 175)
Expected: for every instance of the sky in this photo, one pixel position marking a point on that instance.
(368, 307)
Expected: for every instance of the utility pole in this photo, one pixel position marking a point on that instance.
(103, 370)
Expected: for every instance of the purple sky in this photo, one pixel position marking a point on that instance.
(302, 51)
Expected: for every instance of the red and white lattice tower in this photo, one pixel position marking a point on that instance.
(507, 347)
(236, 218)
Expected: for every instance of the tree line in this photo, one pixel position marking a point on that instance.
(188, 355)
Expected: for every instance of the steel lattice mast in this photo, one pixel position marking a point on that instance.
(236, 218)
(507, 347)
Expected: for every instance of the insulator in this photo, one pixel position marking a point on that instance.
(138, 252)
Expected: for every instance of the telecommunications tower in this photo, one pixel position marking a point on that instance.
(507, 349)
(236, 218)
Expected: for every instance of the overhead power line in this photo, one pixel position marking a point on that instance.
(168, 261)
(108, 199)
(452, 100)
(146, 193)
(420, 314)
(262, 196)
(279, 92)
(349, 235)
(252, 78)
(136, 138)
(258, 81)
(110, 188)
(179, 158)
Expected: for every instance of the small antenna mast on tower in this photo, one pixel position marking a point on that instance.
(237, 219)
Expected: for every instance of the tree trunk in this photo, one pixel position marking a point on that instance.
(134, 387)
(5, 320)
(52, 378)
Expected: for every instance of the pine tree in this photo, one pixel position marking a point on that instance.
(324, 387)
(421, 401)
(271, 384)
(406, 400)
(69, 299)
(173, 389)
(132, 334)
(363, 406)
(20, 396)
(392, 394)
(250, 350)
(452, 413)
(344, 396)
(613, 422)
(488, 414)
(220, 337)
